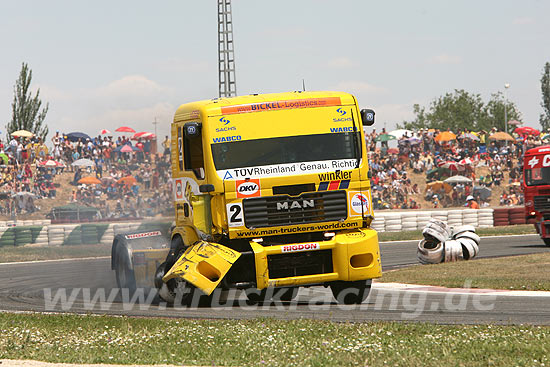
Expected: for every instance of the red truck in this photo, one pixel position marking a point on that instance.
(536, 189)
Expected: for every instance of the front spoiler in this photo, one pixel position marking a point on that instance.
(355, 256)
(204, 265)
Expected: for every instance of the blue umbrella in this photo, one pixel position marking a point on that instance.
(76, 135)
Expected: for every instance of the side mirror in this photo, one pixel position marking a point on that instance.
(192, 129)
(367, 116)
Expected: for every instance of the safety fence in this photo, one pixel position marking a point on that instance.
(42, 233)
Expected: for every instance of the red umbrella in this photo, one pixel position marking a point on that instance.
(104, 131)
(526, 130)
(453, 166)
(125, 129)
(126, 149)
(465, 162)
(143, 135)
(393, 151)
(51, 163)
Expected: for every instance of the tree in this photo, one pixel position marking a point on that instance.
(461, 110)
(545, 89)
(26, 109)
(495, 113)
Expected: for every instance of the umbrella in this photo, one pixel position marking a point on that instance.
(453, 166)
(514, 122)
(484, 192)
(51, 163)
(126, 148)
(104, 131)
(4, 157)
(400, 133)
(128, 180)
(23, 133)
(385, 137)
(83, 162)
(545, 136)
(90, 180)
(457, 179)
(526, 130)
(468, 136)
(414, 140)
(143, 135)
(75, 136)
(125, 129)
(437, 185)
(465, 162)
(393, 151)
(501, 135)
(445, 136)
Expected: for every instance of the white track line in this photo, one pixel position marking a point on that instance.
(473, 291)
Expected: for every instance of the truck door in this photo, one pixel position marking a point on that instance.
(192, 208)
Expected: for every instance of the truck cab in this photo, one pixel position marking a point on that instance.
(536, 189)
(272, 191)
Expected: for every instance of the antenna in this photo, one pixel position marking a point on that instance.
(226, 56)
(303, 85)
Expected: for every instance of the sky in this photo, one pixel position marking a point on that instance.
(105, 64)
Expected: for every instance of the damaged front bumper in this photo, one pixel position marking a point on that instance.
(348, 256)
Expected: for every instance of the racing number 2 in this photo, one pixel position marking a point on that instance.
(235, 214)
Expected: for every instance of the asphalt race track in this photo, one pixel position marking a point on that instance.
(88, 286)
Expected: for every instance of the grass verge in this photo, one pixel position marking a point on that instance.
(30, 253)
(525, 272)
(267, 342)
(493, 231)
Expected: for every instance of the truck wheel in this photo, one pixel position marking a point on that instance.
(255, 295)
(351, 293)
(286, 294)
(178, 290)
(125, 276)
(189, 295)
(546, 241)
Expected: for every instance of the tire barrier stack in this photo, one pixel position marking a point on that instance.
(509, 216)
(391, 221)
(485, 218)
(443, 243)
(517, 216)
(31, 232)
(409, 221)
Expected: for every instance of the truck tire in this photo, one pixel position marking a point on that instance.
(125, 276)
(546, 241)
(351, 293)
(177, 289)
(185, 294)
(255, 295)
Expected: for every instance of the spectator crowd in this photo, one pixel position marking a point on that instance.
(122, 177)
(447, 162)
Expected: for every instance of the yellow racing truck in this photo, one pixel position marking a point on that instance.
(271, 193)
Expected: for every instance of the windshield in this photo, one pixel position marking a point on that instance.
(283, 150)
(537, 176)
